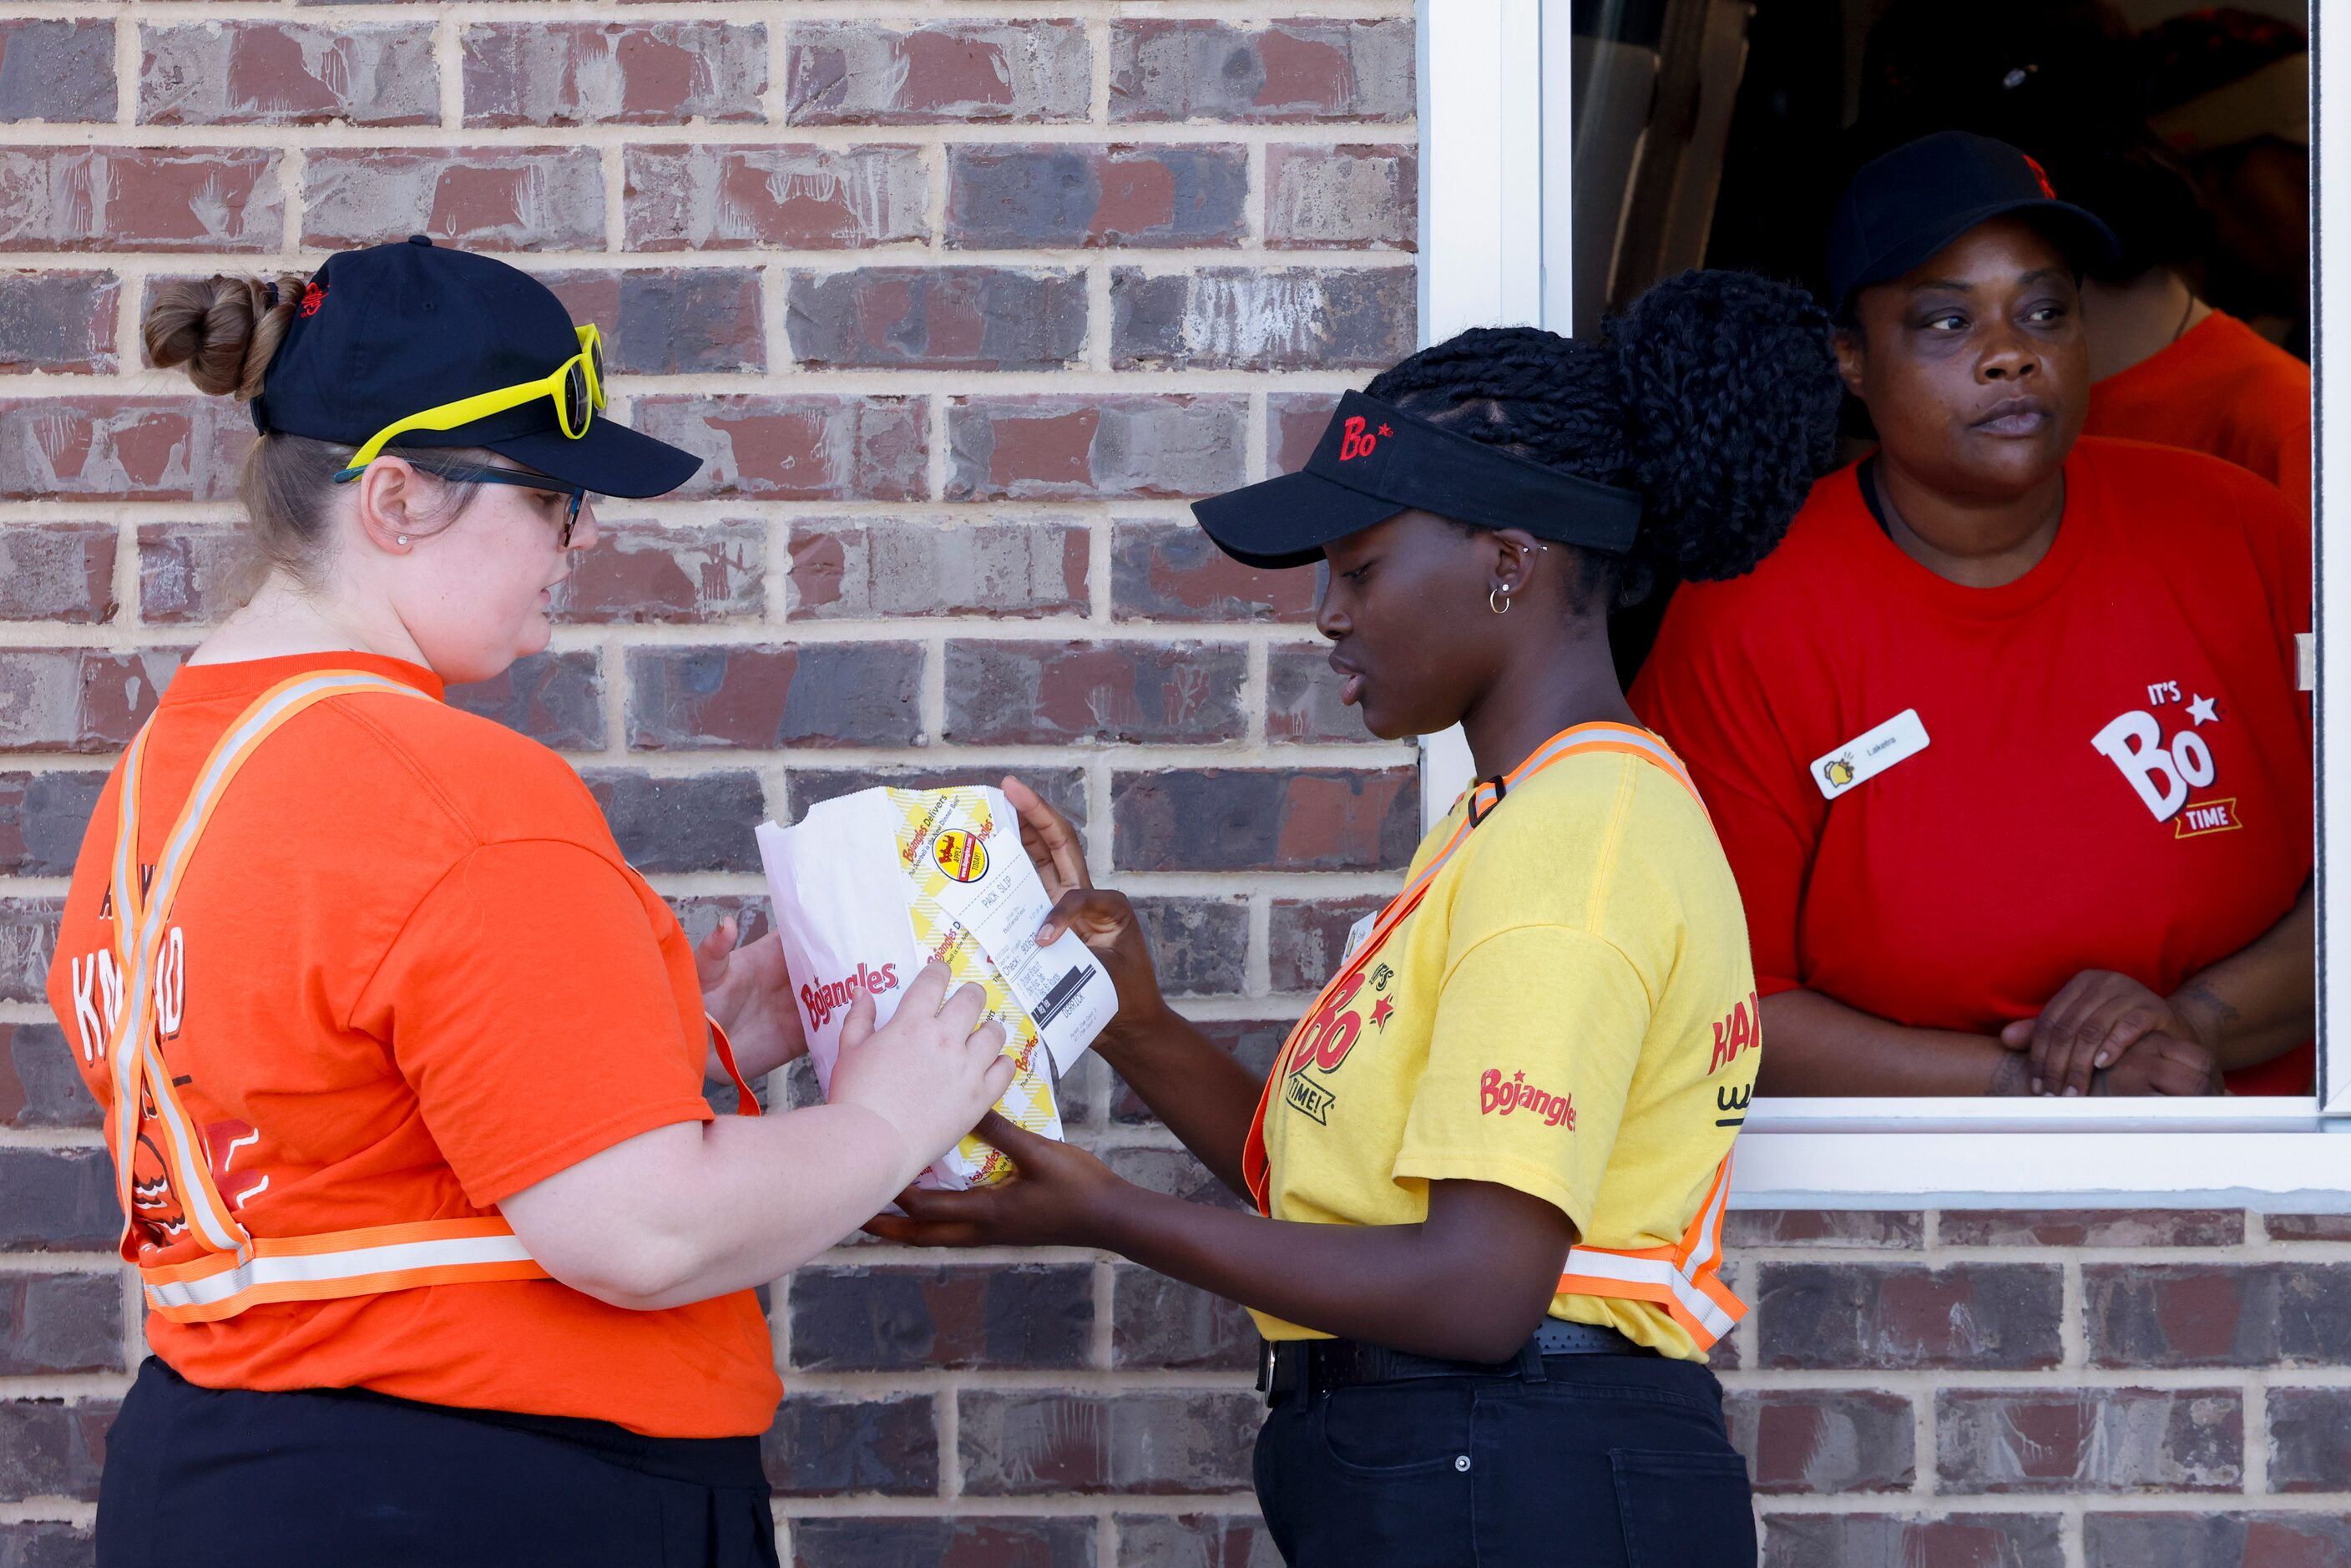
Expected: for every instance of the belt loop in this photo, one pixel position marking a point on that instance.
(1531, 1361)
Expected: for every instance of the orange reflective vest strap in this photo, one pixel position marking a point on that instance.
(1685, 1279)
(746, 1102)
(238, 1270)
(341, 1263)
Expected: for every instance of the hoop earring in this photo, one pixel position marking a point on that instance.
(1498, 599)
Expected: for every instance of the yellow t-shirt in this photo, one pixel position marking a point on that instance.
(1571, 1011)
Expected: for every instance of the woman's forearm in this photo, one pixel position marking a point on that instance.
(1814, 1044)
(1459, 1291)
(1206, 1097)
(2263, 999)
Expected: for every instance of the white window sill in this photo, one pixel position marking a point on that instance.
(1958, 1153)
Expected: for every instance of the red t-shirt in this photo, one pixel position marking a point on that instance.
(2117, 768)
(2223, 388)
(418, 978)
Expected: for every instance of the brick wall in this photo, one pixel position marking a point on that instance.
(959, 307)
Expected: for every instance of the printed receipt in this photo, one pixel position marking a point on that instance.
(1062, 986)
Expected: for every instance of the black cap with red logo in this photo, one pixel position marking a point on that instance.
(1905, 205)
(1375, 461)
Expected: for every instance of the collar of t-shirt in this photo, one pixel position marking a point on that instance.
(2081, 532)
(249, 678)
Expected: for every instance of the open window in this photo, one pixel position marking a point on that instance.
(1574, 151)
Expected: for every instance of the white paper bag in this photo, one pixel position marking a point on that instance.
(869, 887)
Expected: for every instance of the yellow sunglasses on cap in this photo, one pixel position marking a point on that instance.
(577, 385)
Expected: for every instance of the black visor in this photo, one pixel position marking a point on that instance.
(1375, 461)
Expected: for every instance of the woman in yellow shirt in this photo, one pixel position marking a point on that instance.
(1490, 1164)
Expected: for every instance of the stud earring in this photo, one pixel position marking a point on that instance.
(403, 539)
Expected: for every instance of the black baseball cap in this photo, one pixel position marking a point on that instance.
(392, 331)
(1375, 461)
(1906, 204)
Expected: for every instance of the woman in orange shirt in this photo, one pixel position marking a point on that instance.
(445, 1257)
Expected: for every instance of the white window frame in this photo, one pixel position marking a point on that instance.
(1494, 183)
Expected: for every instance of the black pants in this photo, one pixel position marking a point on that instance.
(200, 1478)
(1610, 1461)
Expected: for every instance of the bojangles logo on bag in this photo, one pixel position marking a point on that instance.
(822, 998)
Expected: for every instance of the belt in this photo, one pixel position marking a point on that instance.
(1318, 1365)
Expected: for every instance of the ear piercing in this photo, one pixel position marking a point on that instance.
(1498, 599)
(403, 539)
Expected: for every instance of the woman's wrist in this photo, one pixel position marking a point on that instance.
(2206, 1017)
(1124, 1037)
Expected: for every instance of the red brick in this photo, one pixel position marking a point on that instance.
(2209, 1540)
(193, 573)
(1261, 319)
(699, 821)
(57, 571)
(670, 322)
(765, 695)
(1115, 447)
(78, 699)
(1876, 1229)
(57, 320)
(61, 1322)
(938, 319)
(1897, 1317)
(1173, 571)
(1051, 694)
(643, 572)
(810, 447)
(892, 1319)
(784, 196)
(1172, 1172)
(868, 73)
(620, 73)
(1820, 1441)
(1197, 1540)
(1294, 422)
(556, 698)
(2307, 1227)
(2310, 1440)
(483, 198)
(1014, 196)
(1157, 1323)
(46, 1543)
(1237, 819)
(278, 73)
(1305, 937)
(1881, 1540)
(1307, 70)
(121, 448)
(1354, 197)
(28, 942)
(1253, 1042)
(2093, 1227)
(2217, 1314)
(1199, 946)
(56, 69)
(825, 1446)
(993, 1541)
(40, 1085)
(142, 198)
(2089, 1441)
(56, 1200)
(906, 567)
(50, 1448)
(1302, 697)
(1034, 1442)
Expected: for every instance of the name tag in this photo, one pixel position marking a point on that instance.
(1866, 756)
(1357, 934)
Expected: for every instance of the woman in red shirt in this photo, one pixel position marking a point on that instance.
(446, 1257)
(2003, 741)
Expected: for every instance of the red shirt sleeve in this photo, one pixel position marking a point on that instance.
(2280, 539)
(1701, 689)
(530, 1006)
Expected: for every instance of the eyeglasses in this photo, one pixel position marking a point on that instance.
(479, 474)
(576, 387)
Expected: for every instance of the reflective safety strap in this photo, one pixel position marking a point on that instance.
(746, 1102)
(338, 1264)
(238, 1270)
(1685, 1279)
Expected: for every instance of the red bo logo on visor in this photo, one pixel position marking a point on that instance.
(1355, 441)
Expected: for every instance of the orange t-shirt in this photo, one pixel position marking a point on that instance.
(2223, 388)
(418, 978)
